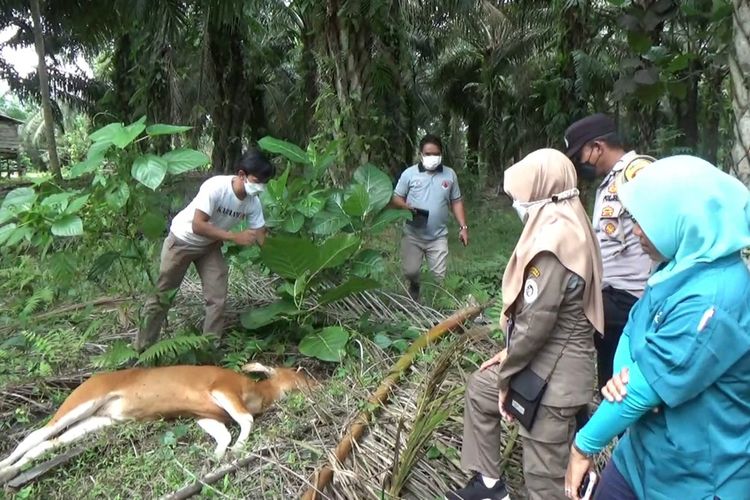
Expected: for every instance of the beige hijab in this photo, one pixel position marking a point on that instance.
(560, 227)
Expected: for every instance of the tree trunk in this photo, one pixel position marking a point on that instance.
(49, 124)
(230, 112)
(739, 67)
(713, 105)
(473, 135)
(688, 112)
(309, 74)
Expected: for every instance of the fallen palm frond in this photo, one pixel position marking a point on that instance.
(251, 289)
(433, 410)
(360, 424)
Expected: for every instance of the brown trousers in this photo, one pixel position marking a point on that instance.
(546, 447)
(176, 257)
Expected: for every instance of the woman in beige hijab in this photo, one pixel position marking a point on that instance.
(551, 306)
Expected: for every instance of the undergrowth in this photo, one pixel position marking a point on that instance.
(38, 345)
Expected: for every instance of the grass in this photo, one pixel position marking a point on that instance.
(151, 459)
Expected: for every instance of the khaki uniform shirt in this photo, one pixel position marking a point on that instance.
(548, 317)
(626, 265)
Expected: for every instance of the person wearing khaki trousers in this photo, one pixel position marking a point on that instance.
(552, 304)
(196, 236)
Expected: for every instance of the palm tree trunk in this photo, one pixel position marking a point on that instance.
(49, 124)
(739, 67)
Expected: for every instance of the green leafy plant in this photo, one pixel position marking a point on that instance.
(121, 163)
(318, 245)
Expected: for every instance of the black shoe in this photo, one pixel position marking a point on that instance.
(476, 490)
(414, 290)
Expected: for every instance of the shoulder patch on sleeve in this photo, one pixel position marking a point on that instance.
(530, 291)
(534, 272)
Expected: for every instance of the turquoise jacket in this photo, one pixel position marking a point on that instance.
(686, 343)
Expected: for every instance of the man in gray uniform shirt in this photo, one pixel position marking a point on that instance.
(596, 150)
(430, 190)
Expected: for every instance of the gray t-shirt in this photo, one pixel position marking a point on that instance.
(626, 265)
(434, 191)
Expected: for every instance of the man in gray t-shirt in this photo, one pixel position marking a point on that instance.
(430, 191)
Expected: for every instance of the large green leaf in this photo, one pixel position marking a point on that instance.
(293, 222)
(118, 196)
(5, 215)
(274, 216)
(325, 222)
(5, 232)
(275, 188)
(184, 160)
(18, 234)
(368, 263)
(20, 199)
(328, 344)
(131, 132)
(286, 149)
(153, 225)
(289, 256)
(387, 217)
(118, 134)
(310, 205)
(107, 133)
(377, 184)
(351, 286)
(93, 160)
(77, 204)
(356, 201)
(164, 129)
(252, 319)
(58, 201)
(68, 225)
(334, 251)
(102, 265)
(85, 167)
(149, 170)
(98, 150)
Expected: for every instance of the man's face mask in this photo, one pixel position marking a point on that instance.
(431, 162)
(254, 188)
(586, 169)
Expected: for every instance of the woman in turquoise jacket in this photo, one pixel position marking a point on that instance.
(683, 389)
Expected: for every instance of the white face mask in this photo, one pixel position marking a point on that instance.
(523, 207)
(431, 162)
(254, 188)
(522, 210)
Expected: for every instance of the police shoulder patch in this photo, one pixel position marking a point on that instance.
(530, 291)
(635, 166)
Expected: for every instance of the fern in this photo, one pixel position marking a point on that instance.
(494, 313)
(118, 354)
(171, 349)
(42, 296)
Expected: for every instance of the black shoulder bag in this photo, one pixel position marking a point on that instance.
(526, 389)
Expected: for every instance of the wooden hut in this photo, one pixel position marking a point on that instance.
(10, 142)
